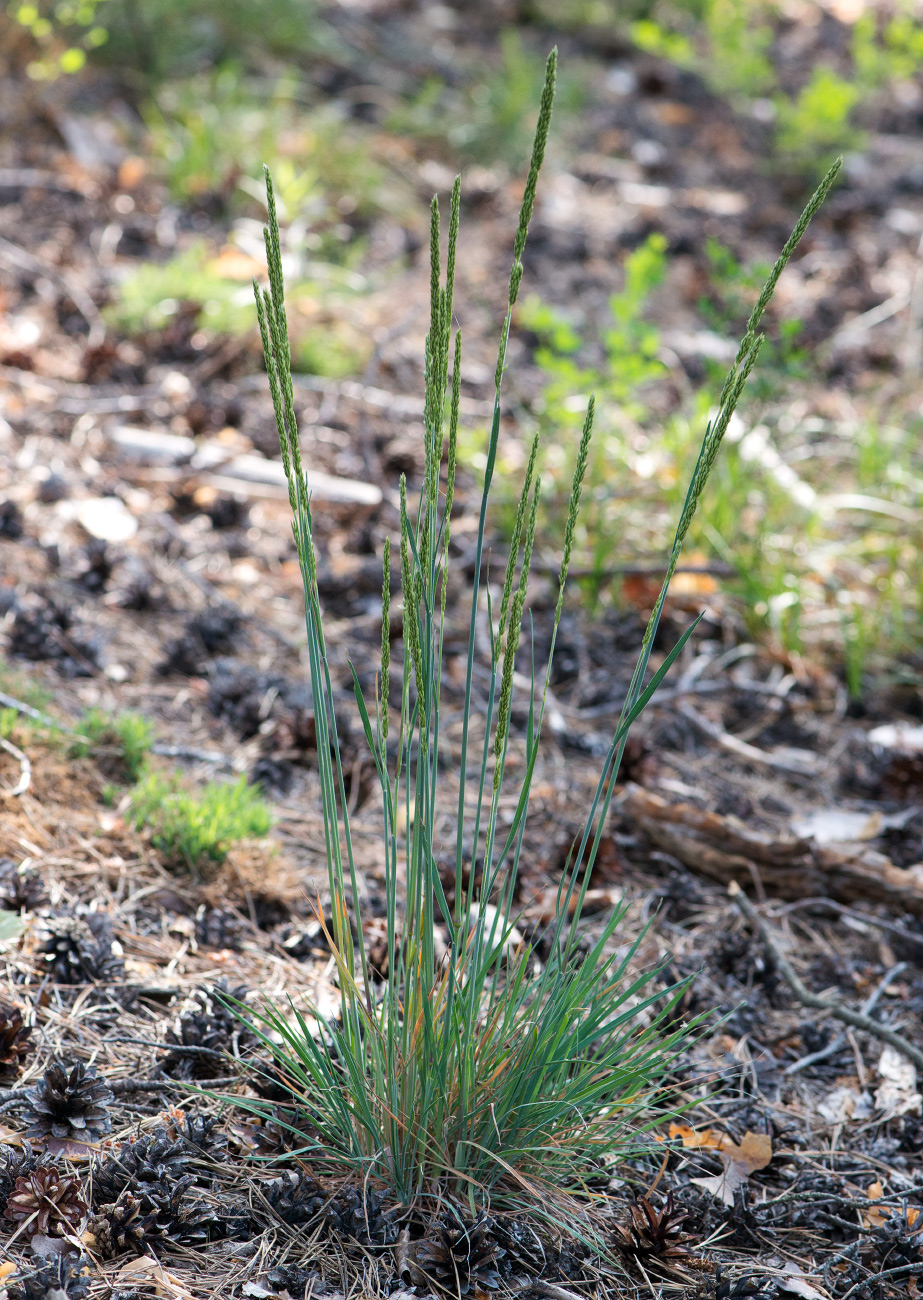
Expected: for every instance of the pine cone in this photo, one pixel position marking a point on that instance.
(64, 1276)
(70, 1102)
(208, 1024)
(360, 1214)
(15, 1162)
(123, 1225)
(47, 1201)
(149, 1165)
(523, 1250)
(78, 950)
(460, 1257)
(652, 1234)
(297, 1199)
(218, 927)
(199, 1132)
(898, 1242)
(197, 1223)
(21, 888)
(14, 1041)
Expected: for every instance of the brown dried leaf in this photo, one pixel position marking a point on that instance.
(754, 1152)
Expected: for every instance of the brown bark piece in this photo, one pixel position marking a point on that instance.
(789, 867)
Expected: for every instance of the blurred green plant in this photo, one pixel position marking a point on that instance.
(817, 123)
(151, 295)
(201, 127)
(630, 343)
(197, 830)
(485, 117)
(723, 307)
(726, 41)
(885, 50)
(151, 40)
(64, 34)
(160, 39)
(129, 736)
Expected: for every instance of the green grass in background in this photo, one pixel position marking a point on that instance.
(196, 830)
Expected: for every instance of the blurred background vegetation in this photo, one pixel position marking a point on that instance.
(812, 520)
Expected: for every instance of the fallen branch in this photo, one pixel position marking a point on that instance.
(889, 927)
(798, 762)
(903, 1270)
(790, 867)
(815, 1000)
(122, 1086)
(193, 755)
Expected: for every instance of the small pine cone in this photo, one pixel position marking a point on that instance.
(197, 1222)
(21, 888)
(199, 1132)
(15, 1162)
(70, 1102)
(148, 1165)
(460, 1257)
(78, 950)
(652, 1234)
(360, 1215)
(217, 927)
(47, 1201)
(296, 1198)
(14, 1041)
(123, 1225)
(208, 1024)
(522, 1249)
(63, 1277)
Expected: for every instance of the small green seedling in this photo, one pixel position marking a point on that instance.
(129, 736)
(197, 830)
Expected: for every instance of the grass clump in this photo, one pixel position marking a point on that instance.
(126, 736)
(197, 830)
(477, 1076)
(152, 295)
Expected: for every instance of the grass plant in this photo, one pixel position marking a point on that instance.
(129, 734)
(475, 1075)
(197, 830)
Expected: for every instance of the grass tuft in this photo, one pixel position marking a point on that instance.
(196, 831)
(129, 735)
(472, 1075)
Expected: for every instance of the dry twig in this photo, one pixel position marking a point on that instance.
(868, 1006)
(816, 1000)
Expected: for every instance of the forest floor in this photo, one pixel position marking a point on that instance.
(146, 564)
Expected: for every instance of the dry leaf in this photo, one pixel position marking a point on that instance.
(709, 1138)
(754, 1152)
(898, 1093)
(845, 1104)
(874, 1217)
(69, 1148)
(151, 1271)
(794, 1282)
